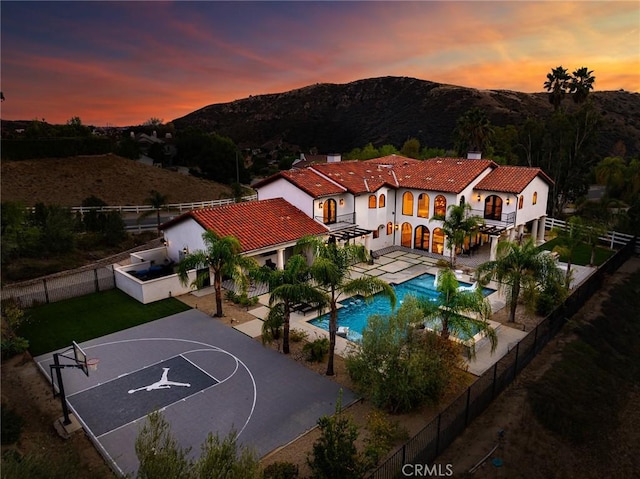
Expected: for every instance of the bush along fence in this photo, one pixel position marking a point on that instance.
(61, 286)
(433, 439)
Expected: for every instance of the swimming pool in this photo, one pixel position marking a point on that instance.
(355, 311)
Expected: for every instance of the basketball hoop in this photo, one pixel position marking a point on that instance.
(92, 364)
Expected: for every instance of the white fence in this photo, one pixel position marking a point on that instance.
(180, 207)
(612, 238)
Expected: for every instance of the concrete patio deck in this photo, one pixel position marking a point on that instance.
(399, 265)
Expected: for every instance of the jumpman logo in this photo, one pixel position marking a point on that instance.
(164, 383)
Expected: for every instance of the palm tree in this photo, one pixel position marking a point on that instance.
(289, 287)
(592, 233)
(452, 305)
(273, 324)
(612, 172)
(223, 256)
(330, 271)
(473, 131)
(569, 238)
(457, 226)
(557, 85)
(158, 201)
(581, 83)
(519, 267)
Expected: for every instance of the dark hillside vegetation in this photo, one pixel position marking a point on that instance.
(388, 110)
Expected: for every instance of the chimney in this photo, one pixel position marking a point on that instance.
(474, 155)
(334, 158)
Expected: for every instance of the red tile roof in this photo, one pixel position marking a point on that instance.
(450, 175)
(358, 176)
(307, 180)
(257, 224)
(511, 179)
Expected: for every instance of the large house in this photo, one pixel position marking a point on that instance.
(384, 202)
(390, 201)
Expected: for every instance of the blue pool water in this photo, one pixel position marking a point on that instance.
(355, 311)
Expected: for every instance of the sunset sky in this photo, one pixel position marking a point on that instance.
(121, 63)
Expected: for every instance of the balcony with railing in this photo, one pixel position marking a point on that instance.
(505, 221)
(338, 222)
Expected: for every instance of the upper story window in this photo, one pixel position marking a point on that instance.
(423, 205)
(521, 202)
(440, 205)
(373, 201)
(382, 201)
(535, 197)
(493, 208)
(407, 204)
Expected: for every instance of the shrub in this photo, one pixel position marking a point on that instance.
(10, 346)
(315, 351)
(11, 425)
(297, 335)
(383, 434)
(281, 470)
(334, 453)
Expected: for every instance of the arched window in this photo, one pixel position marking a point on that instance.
(381, 201)
(423, 205)
(389, 228)
(421, 238)
(329, 212)
(407, 204)
(521, 202)
(462, 200)
(438, 241)
(406, 235)
(372, 201)
(493, 208)
(376, 232)
(535, 197)
(440, 205)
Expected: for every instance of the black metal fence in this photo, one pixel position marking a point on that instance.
(434, 438)
(60, 286)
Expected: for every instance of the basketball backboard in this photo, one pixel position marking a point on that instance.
(80, 357)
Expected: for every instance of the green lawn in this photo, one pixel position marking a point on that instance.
(582, 254)
(55, 325)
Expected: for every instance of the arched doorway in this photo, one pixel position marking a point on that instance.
(438, 241)
(421, 238)
(405, 237)
(329, 212)
(493, 208)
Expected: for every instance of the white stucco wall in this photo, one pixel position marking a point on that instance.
(154, 289)
(530, 211)
(186, 233)
(282, 188)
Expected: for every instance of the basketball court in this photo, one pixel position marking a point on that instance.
(204, 377)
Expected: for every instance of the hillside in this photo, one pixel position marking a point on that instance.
(115, 180)
(338, 118)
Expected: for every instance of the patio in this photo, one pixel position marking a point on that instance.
(397, 265)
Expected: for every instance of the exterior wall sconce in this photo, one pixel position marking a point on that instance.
(508, 201)
(320, 205)
(185, 250)
(397, 227)
(165, 243)
(341, 202)
(479, 197)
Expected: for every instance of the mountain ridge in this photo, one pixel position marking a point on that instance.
(331, 117)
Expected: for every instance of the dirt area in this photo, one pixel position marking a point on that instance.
(526, 449)
(115, 180)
